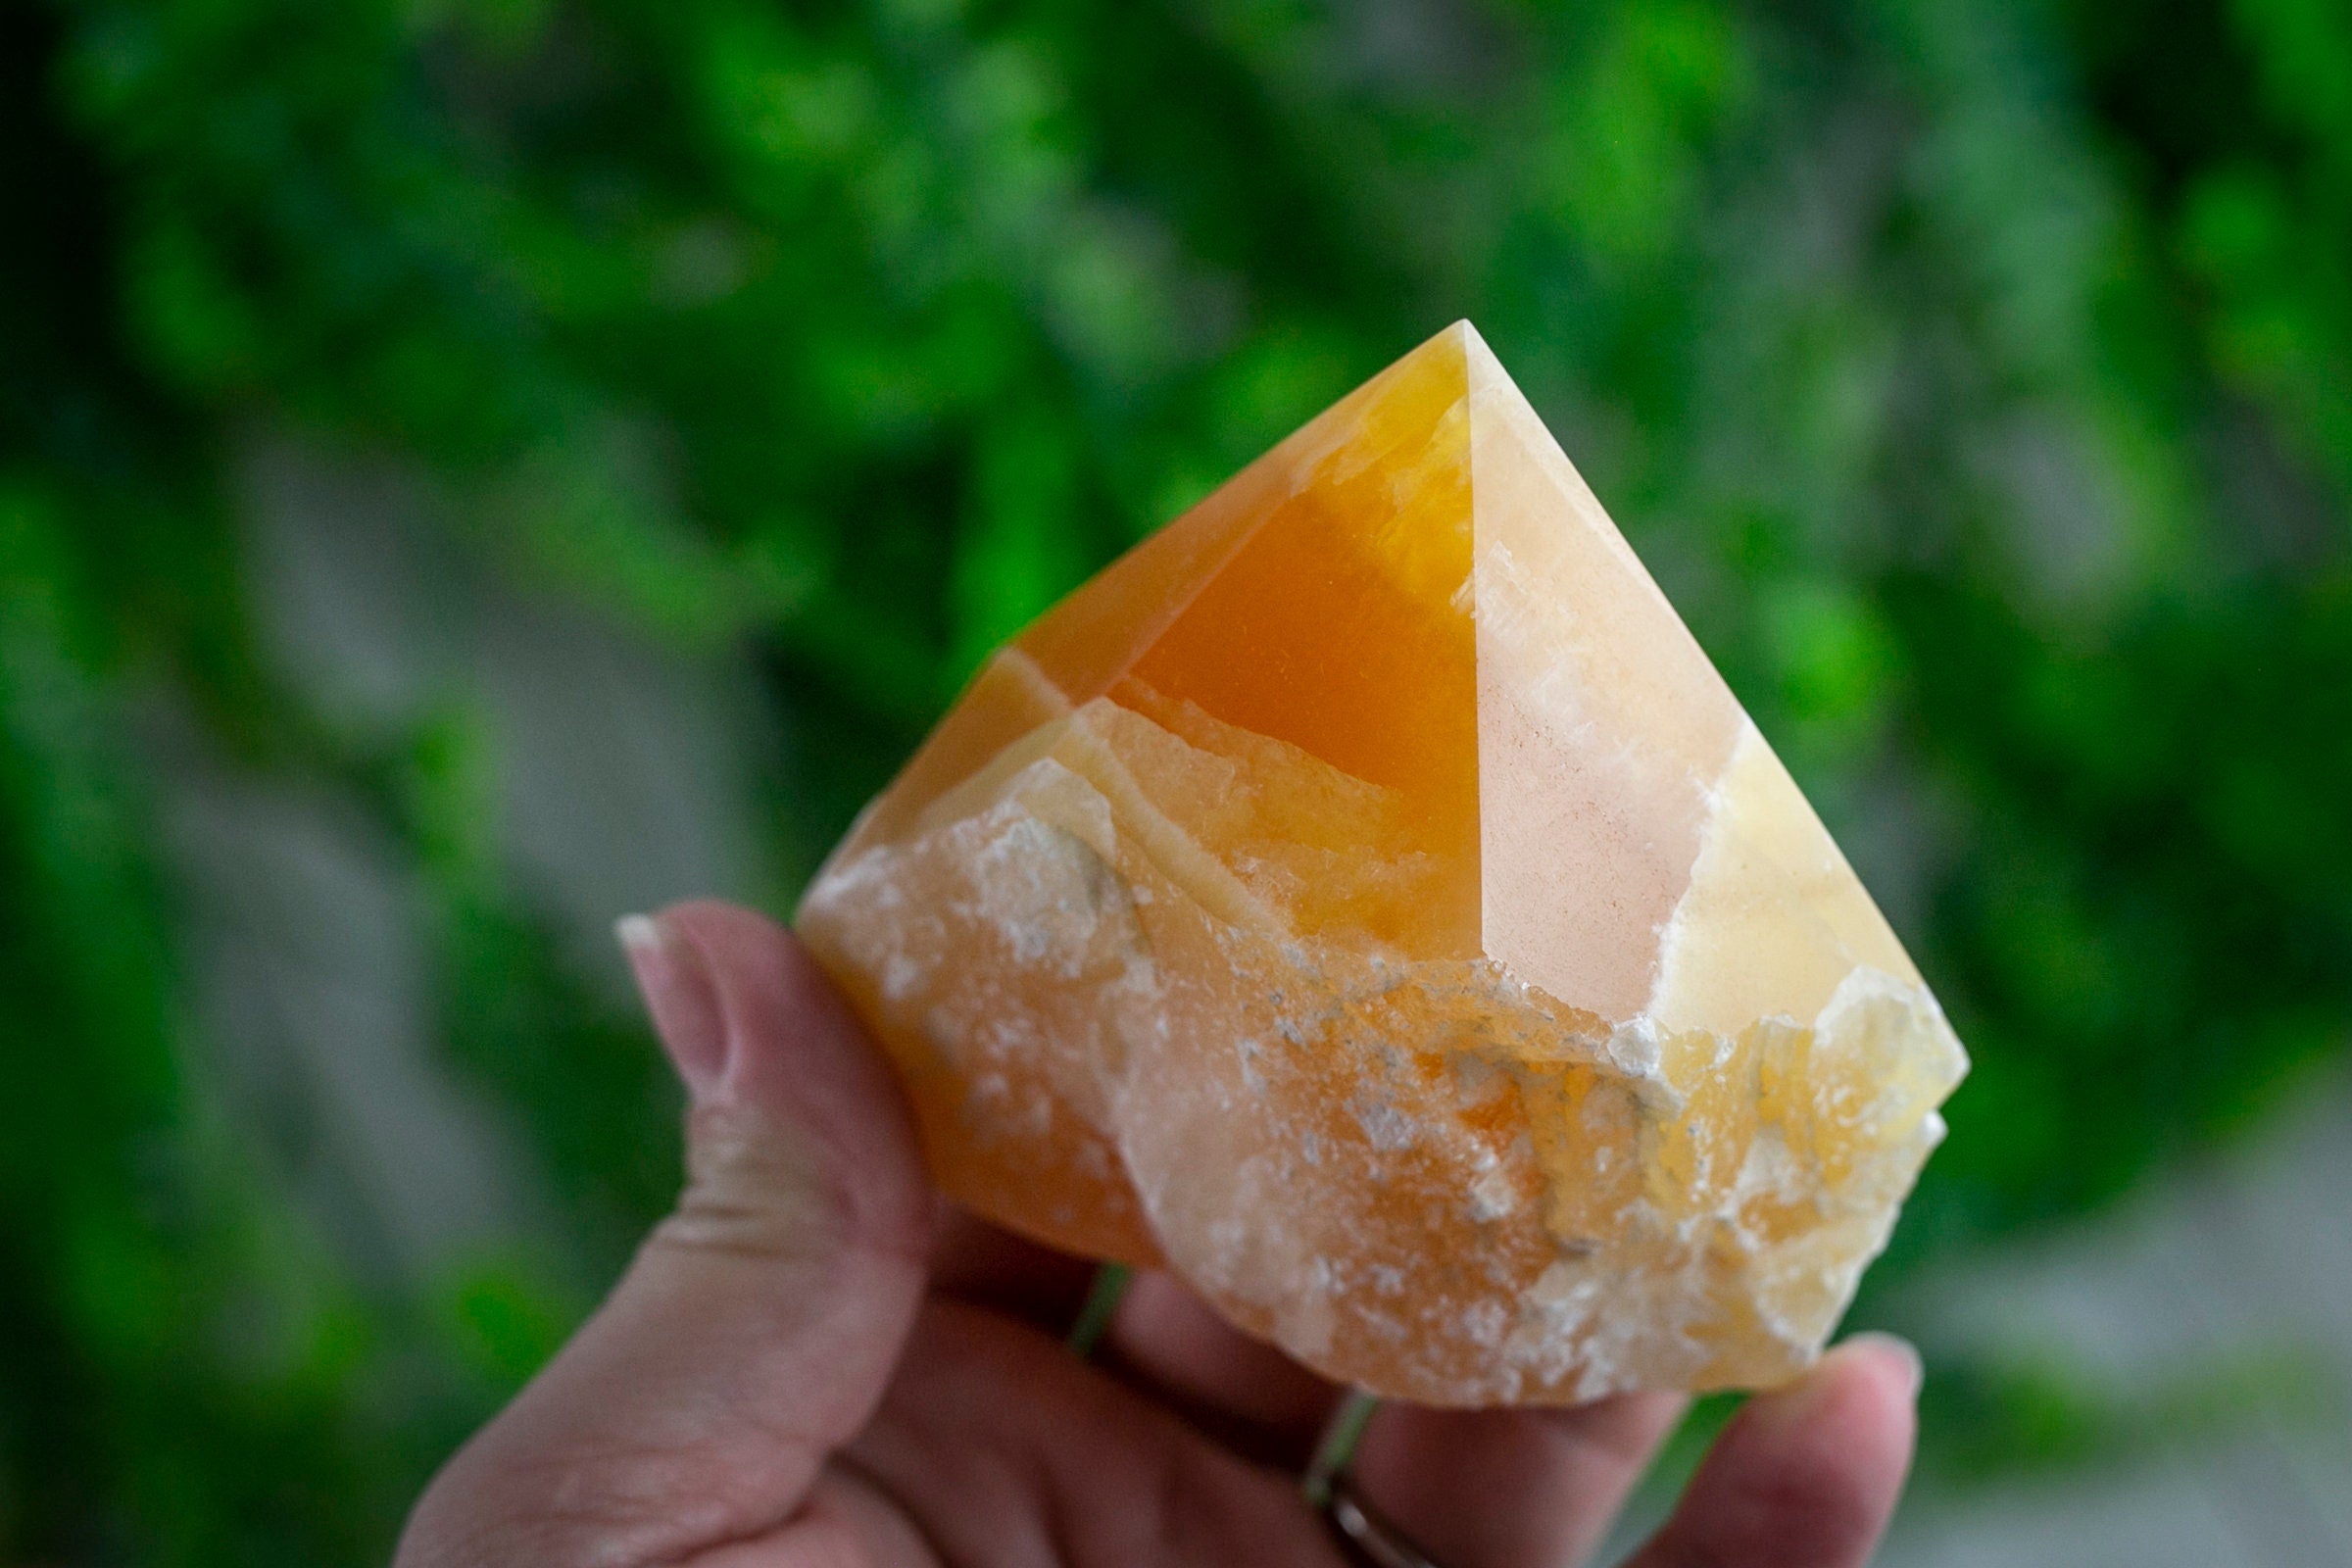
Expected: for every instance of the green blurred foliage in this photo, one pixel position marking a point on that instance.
(2039, 1417)
(1975, 374)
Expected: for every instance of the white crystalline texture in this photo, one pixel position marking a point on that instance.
(1536, 1046)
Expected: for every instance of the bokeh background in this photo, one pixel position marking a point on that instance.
(469, 468)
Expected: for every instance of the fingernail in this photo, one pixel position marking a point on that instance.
(1894, 1346)
(682, 999)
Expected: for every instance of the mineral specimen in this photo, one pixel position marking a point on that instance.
(1366, 900)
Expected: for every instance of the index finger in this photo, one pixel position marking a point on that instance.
(1166, 1341)
(987, 1265)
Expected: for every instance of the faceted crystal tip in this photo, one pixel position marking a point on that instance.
(1366, 900)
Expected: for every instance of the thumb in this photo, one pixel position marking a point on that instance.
(758, 1326)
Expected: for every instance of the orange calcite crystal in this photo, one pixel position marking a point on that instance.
(1366, 900)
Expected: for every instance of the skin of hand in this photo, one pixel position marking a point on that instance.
(814, 1362)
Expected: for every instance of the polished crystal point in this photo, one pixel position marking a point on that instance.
(1366, 900)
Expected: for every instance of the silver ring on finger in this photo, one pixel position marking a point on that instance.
(1365, 1539)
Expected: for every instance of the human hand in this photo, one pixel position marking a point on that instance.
(814, 1362)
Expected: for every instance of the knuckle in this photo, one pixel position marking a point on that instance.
(752, 1188)
(762, 1188)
